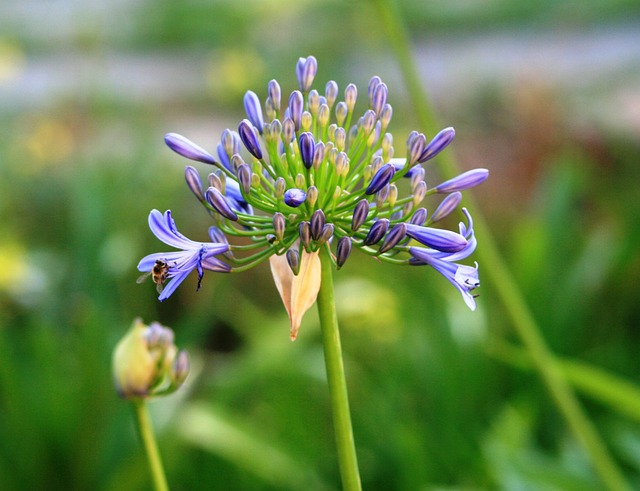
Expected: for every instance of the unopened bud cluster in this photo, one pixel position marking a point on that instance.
(147, 363)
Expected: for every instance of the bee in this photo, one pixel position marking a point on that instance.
(158, 274)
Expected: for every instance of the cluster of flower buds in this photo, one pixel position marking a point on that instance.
(147, 363)
(303, 174)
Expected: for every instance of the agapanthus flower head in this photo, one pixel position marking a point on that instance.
(314, 176)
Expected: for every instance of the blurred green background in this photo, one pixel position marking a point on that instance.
(544, 94)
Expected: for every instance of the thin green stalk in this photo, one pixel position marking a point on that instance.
(336, 378)
(499, 274)
(150, 447)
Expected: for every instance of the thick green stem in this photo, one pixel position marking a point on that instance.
(149, 442)
(336, 379)
(499, 274)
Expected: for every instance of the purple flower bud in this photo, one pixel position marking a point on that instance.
(343, 251)
(359, 214)
(419, 217)
(368, 121)
(306, 70)
(439, 143)
(304, 230)
(324, 113)
(441, 240)
(379, 98)
(288, 131)
(249, 137)
(312, 196)
(216, 199)
(371, 88)
(448, 204)
(185, 147)
(419, 191)
(327, 233)
(279, 224)
(253, 109)
(294, 197)
(340, 139)
(244, 178)
(385, 116)
(341, 112)
(317, 224)
(273, 89)
(318, 155)
(224, 158)
(415, 146)
(331, 92)
(307, 149)
(395, 235)
(296, 103)
(293, 258)
(381, 178)
(376, 232)
(350, 96)
(464, 181)
(193, 181)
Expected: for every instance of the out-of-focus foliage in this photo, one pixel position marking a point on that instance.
(441, 397)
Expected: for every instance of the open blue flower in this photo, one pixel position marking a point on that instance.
(194, 255)
(463, 277)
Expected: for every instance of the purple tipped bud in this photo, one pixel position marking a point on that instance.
(249, 137)
(376, 232)
(341, 112)
(216, 182)
(416, 173)
(327, 233)
(216, 199)
(419, 192)
(185, 147)
(307, 149)
(340, 138)
(180, 369)
(324, 113)
(193, 181)
(359, 214)
(279, 224)
(419, 217)
(306, 70)
(343, 251)
(439, 143)
(331, 92)
(273, 89)
(350, 96)
(253, 109)
(296, 103)
(368, 121)
(448, 204)
(244, 178)
(371, 88)
(464, 181)
(385, 116)
(318, 155)
(293, 258)
(294, 197)
(304, 231)
(441, 240)
(395, 235)
(379, 98)
(415, 146)
(288, 131)
(317, 224)
(381, 179)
